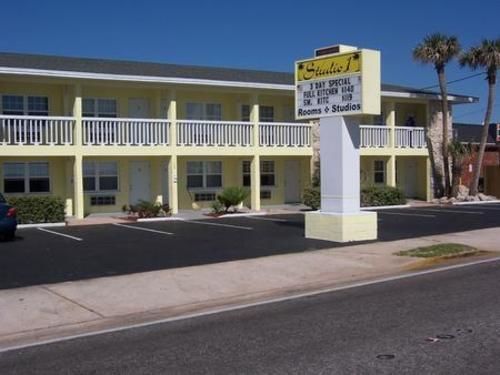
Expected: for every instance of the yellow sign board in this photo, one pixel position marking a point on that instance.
(328, 67)
(341, 84)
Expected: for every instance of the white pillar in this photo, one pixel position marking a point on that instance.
(340, 218)
(255, 183)
(173, 200)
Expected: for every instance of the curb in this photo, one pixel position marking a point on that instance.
(475, 202)
(385, 207)
(153, 219)
(41, 225)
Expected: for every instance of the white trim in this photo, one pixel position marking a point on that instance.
(135, 78)
(197, 81)
(385, 207)
(476, 202)
(41, 225)
(224, 309)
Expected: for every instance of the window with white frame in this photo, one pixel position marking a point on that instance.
(98, 107)
(19, 105)
(379, 172)
(26, 177)
(245, 112)
(267, 176)
(100, 176)
(204, 111)
(266, 113)
(204, 174)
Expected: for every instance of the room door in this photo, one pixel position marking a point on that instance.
(292, 181)
(140, 181)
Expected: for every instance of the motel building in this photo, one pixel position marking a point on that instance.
(102, 134)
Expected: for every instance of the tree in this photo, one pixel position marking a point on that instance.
(458, 151)
(439, 49)
(486, 56)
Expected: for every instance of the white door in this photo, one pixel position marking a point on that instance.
(292, 181)
(140, 181)
(138, 108)
(410, 178)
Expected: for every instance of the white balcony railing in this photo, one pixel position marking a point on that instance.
(214, 133)
(36, 130)
(125, 132)
(410, 137)
(277, 134)
(375, 136)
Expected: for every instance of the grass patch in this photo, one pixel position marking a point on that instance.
(445, 250)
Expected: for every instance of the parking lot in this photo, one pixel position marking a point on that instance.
(50, 255)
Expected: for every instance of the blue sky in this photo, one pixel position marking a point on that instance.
(268, 35)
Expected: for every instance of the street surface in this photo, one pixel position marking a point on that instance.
(441, 323)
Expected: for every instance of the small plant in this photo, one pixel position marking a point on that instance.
(145, 209)
(217, 207)
(312, 197)
(232, 196)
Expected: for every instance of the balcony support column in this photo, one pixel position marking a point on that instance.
(254, 118)
(173, 195)
(390, 121)
(78, 197)
(391, 171)
(78, 114)
(255, 182)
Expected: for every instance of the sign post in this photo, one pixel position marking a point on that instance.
(337, 89)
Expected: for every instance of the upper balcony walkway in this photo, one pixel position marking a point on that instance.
(101, 133)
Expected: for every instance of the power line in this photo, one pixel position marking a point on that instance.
(473, 112)
(456, 80)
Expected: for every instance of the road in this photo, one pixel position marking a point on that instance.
(440, 323)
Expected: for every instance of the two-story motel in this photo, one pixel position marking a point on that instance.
(103, 133)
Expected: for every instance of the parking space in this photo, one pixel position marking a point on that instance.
(49, 255)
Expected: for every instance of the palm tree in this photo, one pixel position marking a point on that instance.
(459, 152)
(486, 56)
(439, 49)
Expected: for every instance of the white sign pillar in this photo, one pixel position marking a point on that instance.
(338, 88)
(339, 145)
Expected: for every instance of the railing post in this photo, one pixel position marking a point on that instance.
(173, 200)
(255, 163)
(254, 118)
(172, 117)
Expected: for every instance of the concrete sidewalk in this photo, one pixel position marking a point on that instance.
(32, 314)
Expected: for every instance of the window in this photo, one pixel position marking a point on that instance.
(204, 197)
(266, 113)
(18, 105)
(267, 177)
(245, 112)
(100, 176)
(265, 194)
(204, 111)
(99, 107)
(204, 174)
(26, 177)
(379, 172)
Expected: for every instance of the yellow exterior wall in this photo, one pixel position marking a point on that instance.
(403, 110)
(122, 195)
(232, 175)
(420, 179)
(367, 169)
(55, 93)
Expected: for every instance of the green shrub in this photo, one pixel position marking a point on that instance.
(232, 196)
(312, 197)
(381, 196)
(33, 210)
(145, 209)
(216, 207)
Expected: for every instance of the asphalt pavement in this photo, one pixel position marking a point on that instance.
(54, 255)
(440, 323)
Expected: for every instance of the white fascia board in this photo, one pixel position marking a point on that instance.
(135, 78)
(202, 82)
(408, 95)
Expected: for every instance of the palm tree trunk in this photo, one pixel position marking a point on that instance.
(444, 109)
(476, 173)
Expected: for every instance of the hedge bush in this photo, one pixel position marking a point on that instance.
(312, 197)
(145, 209)
(382, 196)
(32, 210)
(370, 196)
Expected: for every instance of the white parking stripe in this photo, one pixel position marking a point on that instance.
(218, 224)
(141, 228)
(453, 211)
(266, 219)
(403, 214)
(61, 234)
